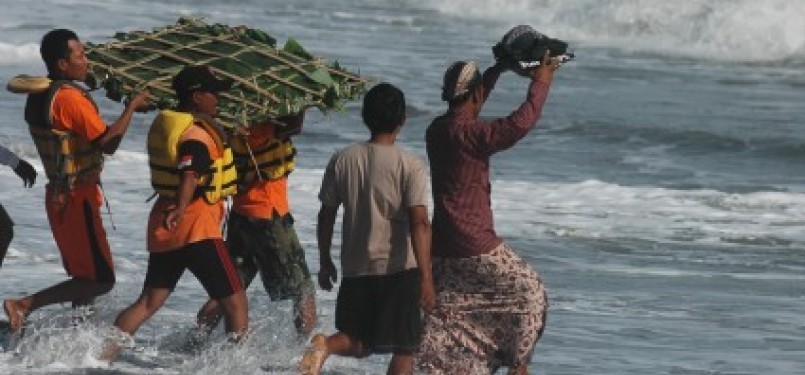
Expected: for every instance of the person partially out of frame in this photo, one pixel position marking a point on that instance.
(27, 173)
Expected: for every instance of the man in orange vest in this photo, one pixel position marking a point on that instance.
(260, 231)
(184, 225)
(66, 113)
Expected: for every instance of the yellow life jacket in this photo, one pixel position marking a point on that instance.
(68, 158)
(274, 160)
(163, 157)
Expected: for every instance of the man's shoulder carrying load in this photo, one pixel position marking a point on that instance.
(25, 84)
(28, 84)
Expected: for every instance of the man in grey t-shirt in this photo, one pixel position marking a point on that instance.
(386, 240)
(28, 175)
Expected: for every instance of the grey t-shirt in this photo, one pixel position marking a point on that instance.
(8, 158)
(376, 184)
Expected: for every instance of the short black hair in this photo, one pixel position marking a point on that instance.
(185, 100)
(55, 46)
(383, 108)
(185, 97)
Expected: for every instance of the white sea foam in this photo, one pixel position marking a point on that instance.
(16, 54)
(739, 30)
(596, 209)
(379, 18)
(588, 209)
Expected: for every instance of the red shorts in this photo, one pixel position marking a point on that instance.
(75, 221)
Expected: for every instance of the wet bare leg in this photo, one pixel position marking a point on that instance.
(130, 319)
(305, 315)
(236, 314)
(321, 347)
(401, 364)
(72, 290)
(209, 315)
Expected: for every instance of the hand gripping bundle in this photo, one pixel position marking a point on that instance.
(522, 49)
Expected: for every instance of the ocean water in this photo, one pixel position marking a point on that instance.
(661, 197)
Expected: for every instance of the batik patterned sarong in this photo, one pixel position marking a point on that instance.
(490, 312)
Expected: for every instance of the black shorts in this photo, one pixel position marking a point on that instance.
(6, 233)
(208, 260)
(381, 311)
(5, 220)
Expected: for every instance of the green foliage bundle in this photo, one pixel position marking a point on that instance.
(268, 82)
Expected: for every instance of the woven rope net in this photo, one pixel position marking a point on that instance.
(268, 82)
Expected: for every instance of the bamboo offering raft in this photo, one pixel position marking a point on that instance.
(267, 82)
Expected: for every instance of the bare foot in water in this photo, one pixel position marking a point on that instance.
(110, 352)
(16, 317)
(314, 356)
(114, 343)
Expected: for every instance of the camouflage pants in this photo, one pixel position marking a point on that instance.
(272, 249)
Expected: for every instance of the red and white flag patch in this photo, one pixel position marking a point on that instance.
(185, 161)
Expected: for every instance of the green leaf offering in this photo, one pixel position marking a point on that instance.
(267, 82)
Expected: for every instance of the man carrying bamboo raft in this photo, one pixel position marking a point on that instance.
(71, 139)
(192, 173)
(260, 231)
(272, 88)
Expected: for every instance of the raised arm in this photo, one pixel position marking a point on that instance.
(292, 125)
(490, 79)
(502, 133)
